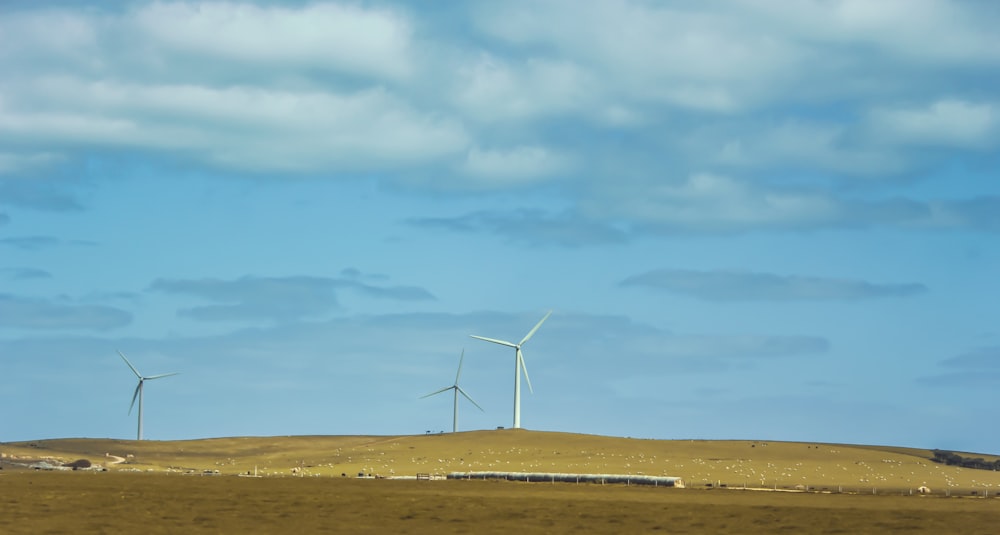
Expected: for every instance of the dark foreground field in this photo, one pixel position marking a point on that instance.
(88, 502)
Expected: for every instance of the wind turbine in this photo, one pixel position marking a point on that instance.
(138, 390)
(518, 366)
(458, 390)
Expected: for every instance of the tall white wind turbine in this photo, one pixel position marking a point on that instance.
(138, 390)
(458, 390)
(518, 366)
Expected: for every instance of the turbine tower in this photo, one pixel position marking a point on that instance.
(518, 366)
(138, 390)
(458, 390)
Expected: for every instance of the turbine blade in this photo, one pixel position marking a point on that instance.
(161, 375)
(468, 398)
(520, 360)
(445, 389)
(495, 341)
(537, 325)
(135, 371)
(459, 374)
(135, 395)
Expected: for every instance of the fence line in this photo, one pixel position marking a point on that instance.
(554, 477)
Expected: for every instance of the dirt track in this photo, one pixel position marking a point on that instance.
(108, 502)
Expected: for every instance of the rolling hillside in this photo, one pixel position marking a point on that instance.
(699, 462)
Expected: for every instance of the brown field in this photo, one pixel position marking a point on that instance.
(876, 484)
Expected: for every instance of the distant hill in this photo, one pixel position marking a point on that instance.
(698, 462)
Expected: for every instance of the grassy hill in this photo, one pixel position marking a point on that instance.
(699, 462)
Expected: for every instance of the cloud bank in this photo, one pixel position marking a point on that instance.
(753, 286)
(41, 314)
(683, 125)
(275, 298)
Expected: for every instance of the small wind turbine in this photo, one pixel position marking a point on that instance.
(138, 390)
(518, 367)
(458, 390)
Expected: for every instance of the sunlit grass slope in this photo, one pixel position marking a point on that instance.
(735, 463)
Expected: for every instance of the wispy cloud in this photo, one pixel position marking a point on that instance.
(530, 227)
(837, 148)
(275, 298)
(982, 358)
(310, 128)
(49, 195)
(492, 89)
(639, 346)
(365, 41)
(528, 104)
(26, 273)
(254, 297)
(33, 313)
(719, 205)
(288, 368)
(400, 293)
(979, 367)
(724, 57)
(132, 298)
(355, 274)
(493, 168)
(30, 243)
(746, 346)
(588, 338)
(753, 286)
(14, 162)
(34, 243)
(715, 204)
(949, 122)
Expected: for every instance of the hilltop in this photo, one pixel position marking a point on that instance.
(698, 462)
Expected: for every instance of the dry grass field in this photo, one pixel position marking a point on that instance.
(159, 489)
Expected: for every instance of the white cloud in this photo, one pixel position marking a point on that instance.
(735, 56)
(246, 127)
(947, 122)
(716, 203)
(236, 84)
(520, 165)
(615, 114)
(522, 94)
(696, 59)
(54, 35)
(935, 31)
(492, 89)
(338, 36)
(11, 162)
(712, 203)
(801, 144)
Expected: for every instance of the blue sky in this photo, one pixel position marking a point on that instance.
(759, 220)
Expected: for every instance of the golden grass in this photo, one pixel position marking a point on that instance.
(163, 500)
(734, 463)
(89, 502)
